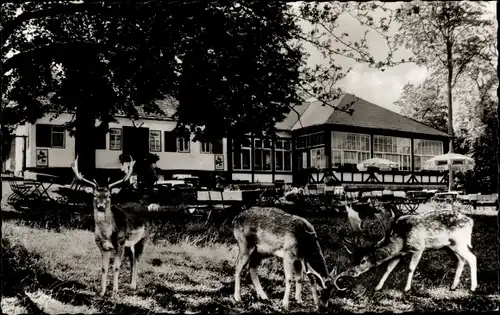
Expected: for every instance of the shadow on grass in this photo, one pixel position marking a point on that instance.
(21, 271)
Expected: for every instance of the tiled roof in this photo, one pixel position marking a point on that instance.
(369, 115)
(292, 117)
(316, 114)
(167, 107)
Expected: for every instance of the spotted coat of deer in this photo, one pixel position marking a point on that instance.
(116, 227)
(411, 235)
(266, 231)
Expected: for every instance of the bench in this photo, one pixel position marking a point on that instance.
(483, 200)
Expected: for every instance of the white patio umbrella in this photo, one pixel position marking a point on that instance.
(378, 163)
(453, 161)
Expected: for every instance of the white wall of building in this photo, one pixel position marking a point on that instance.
(63, 157)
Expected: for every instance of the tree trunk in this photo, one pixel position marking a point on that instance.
(451, 178)
(84, 140)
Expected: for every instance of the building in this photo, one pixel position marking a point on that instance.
(313, 143)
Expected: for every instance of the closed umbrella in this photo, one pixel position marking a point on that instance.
(377, 163)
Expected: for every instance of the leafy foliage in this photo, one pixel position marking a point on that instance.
(425, 102)
(242, 65)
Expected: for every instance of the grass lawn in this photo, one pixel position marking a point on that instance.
(188, 267)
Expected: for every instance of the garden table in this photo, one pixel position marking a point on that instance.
(42, 183)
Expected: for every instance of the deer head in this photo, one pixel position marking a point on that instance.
(361, 257)
(386, 219)
(102, 194)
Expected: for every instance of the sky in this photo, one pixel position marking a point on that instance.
(373, 85)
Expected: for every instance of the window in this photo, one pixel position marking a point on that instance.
(394, 149)
(423, 150)
(176, 143)
(58, 137)
(50, 136)
(318, 158)
(115, 139)
(205, 147)
(310, 141)
(283, 155)
(349, 148)
(183, 144)
(155, 140)
(262, 154)
(241, 157)
(214, 147)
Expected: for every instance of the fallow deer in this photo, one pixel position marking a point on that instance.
(116, 227)
(385, 217)
(268, 231)
(411, 235)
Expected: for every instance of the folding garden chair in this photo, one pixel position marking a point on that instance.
(22, 190)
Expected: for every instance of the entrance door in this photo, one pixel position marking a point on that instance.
(136, 142)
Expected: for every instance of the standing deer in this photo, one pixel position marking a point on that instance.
(116, 227)
(270, 231)
(411, 235)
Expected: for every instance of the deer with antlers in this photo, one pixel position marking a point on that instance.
(116, 228)
(356, 216)
(411, 235)
(268, 231)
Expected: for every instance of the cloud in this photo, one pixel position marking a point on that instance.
(382, 88)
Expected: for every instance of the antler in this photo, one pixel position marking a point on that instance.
(127, 175)
(78, 175)
(336, 279)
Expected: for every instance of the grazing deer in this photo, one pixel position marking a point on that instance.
(385, 217)
(116, 227)
(270, 231)
(411, 235)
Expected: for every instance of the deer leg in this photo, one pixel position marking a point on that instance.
(243, 258)
(298, 281)
(415, 259)
(116, 267)
(133, 268)
(106, 255)
(466, 254)
(255, 259)
(390, 267)
(288, 268)
(312, 280)
(458, 273)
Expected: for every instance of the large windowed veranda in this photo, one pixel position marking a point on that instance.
(423, 150)
(349, 148)
(395, 149)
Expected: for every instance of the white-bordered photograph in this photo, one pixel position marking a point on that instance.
(187, 156)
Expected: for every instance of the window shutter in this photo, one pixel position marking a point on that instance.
(217, 147)
(100, 143)
(170, 141)
(43, 135)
